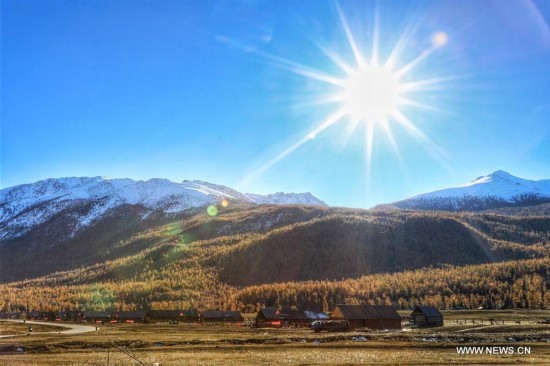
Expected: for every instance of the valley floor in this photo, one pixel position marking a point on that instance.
(146, 344)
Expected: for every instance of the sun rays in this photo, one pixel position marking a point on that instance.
(372, 94)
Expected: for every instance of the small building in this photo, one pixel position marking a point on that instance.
(129, 316)
(62, 315)
(96, 316)
(300, 318)
(426, 316)
(73, 315)
(48, 315)
(173, 316)
(221, 316)
(33, 315)
(316, 315)
(293, 318)
(269, 317)
(368, 316)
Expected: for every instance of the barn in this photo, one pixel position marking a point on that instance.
(426, 316)
(74, 315)
(269, 317)
(301, 318)
(32, 315)
(47, 315)
(220, 316)
(95, 316)
(295, 318)
(172, 316)
(368, 316)
(129, 316)
(316, 315)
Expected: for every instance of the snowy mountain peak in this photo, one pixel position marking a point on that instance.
(90, 198)
(498, 189)
(499, 175)
(502, 174)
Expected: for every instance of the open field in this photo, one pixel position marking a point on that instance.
(8, 328)
(183, 344)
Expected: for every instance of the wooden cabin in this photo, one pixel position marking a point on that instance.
(269, 317)
(368, 316)
(293, 318)
(74, 315)
(13, 315)
(62, 315)
(300, 318)
(33, 315)
(173, 316)
(221, 316)
(316, 315)
(129, 316)
(48, 315)
(426, 316)
(95, 316)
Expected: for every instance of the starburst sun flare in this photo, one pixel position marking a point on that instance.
(371, 93)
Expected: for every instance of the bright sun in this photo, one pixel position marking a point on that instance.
(370, 94)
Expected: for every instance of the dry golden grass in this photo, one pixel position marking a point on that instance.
(336, 354)
(7, 328)
(231, 345)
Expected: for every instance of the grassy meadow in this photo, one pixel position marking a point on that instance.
(187, 344)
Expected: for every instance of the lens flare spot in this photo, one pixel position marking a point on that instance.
(172, 230)
(225, 203)
(440, 39)
(212, 210)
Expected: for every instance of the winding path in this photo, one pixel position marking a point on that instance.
(71, 328)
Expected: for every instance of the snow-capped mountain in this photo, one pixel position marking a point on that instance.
(281, 198)
(86, 200)
(498, 189)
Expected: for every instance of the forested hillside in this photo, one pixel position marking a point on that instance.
(249, 256)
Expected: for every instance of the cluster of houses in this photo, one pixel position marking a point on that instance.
(146, 316)
(357, 316)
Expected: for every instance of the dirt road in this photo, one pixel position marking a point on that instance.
(71, 328)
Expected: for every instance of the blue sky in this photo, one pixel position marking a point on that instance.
(217, 90)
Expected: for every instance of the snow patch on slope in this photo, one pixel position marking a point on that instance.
(25, 206)
(496, 189)
(281, 198)
(498, 184)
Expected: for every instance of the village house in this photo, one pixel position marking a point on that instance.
(173, 316)
(268, 317)
(368, 316)
(301, 318)
(129, 316)
(221, 316)
(426, 316)
(95, 316)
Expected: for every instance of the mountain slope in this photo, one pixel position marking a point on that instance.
(496, 190)
(123, 232)
(251, 244)
(84, 200)
(210, 262)
(138, 253)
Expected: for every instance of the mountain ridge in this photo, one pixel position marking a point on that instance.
(25, 206)
(495, 190)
